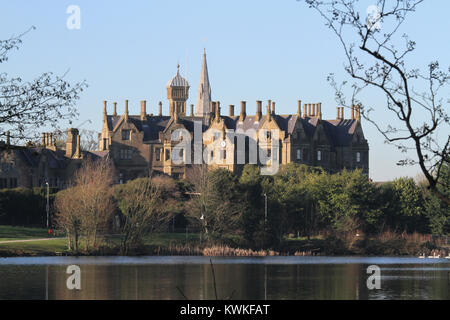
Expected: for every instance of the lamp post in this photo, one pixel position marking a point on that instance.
(265, 218)
(48, 205)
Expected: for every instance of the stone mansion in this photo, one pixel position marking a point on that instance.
(145, 144)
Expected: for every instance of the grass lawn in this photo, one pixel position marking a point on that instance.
(22, 233)
(167, 239)
(34, 248)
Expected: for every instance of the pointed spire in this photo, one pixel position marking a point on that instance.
(204, 91)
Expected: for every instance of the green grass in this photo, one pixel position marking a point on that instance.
(167, 239)
(21, 233)
(34, 248)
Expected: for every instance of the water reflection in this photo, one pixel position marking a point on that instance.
(236, 278)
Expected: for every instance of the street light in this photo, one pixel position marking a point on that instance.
(265, 218)
(48, 205)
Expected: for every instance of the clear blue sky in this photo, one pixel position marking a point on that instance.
(256, 50)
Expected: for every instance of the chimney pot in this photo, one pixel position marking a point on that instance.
(115, 109)
(143, 109)
(126, 110)
(258, 110)
(231, 110)
(243, 111)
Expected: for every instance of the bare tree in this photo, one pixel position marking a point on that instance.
(26, 106)
(84, 209)
(142, 209)
(216, 200)
(374, 60)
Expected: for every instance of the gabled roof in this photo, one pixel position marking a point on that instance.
(338, 132)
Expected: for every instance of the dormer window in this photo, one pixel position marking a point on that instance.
(126, 134)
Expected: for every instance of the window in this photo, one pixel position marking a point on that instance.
(167, 154)
(224, 154)
(268, 135)
(358, 157)
(319, 155)
(13, 182)
(126, 134)
(158, 154)
(126, 154)
(299, 154)
(212, 155)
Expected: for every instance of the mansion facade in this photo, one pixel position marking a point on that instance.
(146, 144)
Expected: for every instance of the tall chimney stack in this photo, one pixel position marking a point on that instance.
(243, 111)
(160, 109)
(319, 110)
(352, 112)
(299, 108)
(231, 110)
(143, 110)
(273, 107)
(72, 144)
(192, 110)
(358, 112)
(305, 113)
(217, 111)
(105, 114)
(258, 110)
(269, 118)
(126, 110)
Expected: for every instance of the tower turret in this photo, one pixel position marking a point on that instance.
(177, 93)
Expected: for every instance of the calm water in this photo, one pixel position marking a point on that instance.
(238, 278)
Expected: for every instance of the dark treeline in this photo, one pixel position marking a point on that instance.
(304, 201)
(249, 210)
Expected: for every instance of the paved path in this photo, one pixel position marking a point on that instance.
(28, 240)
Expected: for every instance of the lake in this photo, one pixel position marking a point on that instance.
(255, 278)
